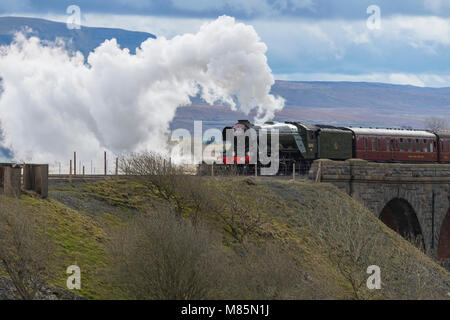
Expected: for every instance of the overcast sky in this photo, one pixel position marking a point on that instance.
(326, 40)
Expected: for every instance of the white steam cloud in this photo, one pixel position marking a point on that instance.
(54, 103)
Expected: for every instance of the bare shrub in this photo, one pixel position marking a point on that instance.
(187, 194)
(351, 243)
(220, 170)
(159, 256)
(410, 277)
(436, 124)
(197, 196)
(161, 176)
(240, 214)
(355, 252)
(267, 272)
(25, 251)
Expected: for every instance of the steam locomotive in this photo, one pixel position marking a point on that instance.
(301, 144)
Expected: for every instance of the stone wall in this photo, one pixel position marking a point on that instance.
(35, 177)
(10, 179)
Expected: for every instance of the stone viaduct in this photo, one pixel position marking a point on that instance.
(412, 199)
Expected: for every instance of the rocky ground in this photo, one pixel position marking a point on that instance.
(8, 292)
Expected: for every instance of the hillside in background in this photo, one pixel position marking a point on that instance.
(337, 103)
(85, 40)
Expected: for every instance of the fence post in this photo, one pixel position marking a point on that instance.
(319, 172)
(74, 163)
(83, 170)
(70, 171)
(117, 166)
(105, 162)
(256, 169)
(293, 172)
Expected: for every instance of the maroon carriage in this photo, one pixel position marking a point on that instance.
(395, 145)
(444, 146)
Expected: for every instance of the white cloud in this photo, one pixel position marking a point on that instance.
(248, 7)
(407, 29)
(418, 30)
(157, 25)
(14, 5)
(419, 80)
(434, 6)
(333, 46)
(294, 5)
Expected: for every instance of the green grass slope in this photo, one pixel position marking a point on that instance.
(331, 238)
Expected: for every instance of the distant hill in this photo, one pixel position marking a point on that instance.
(338, 103)
(85, 40)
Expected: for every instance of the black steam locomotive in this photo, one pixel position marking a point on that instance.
(300, 144)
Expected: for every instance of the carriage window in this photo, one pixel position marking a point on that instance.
(409, 145)
(374, 148)
(425, 146)
(417, 145)
(432, 146)
(402, 145)
(387, 144)
(365, 143)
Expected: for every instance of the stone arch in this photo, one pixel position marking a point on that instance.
(443, 252)
(399, 215)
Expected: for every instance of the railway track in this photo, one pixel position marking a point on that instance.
(65, 177)
(83, 177)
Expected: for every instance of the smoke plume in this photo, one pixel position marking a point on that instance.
(54, 102)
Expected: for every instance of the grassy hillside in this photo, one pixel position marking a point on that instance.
(327, 237)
